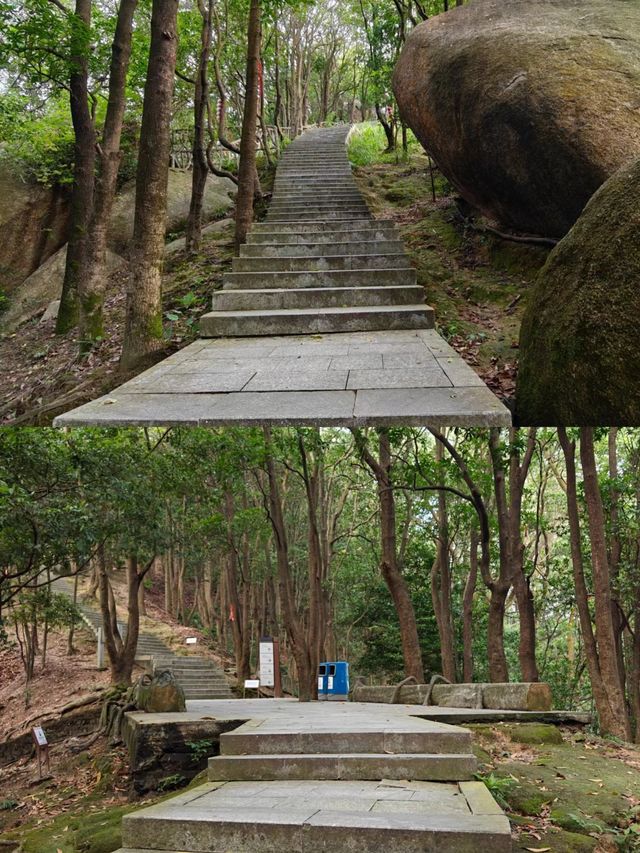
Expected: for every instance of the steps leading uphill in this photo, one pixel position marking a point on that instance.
(319, 263)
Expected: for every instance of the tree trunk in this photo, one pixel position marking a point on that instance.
(606, 714)
(143, 327)
(467, 610)
(247, 167)
(92, 285)
(83, 168)
(307, 684)
(388, 129)
(200, 167)
(602, 587)
(389, 566)
(441, 582)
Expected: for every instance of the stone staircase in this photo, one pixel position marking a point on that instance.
(307, 784)
(199, 676)
(319, 263)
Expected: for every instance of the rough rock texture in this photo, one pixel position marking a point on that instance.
(159, 693)
(216, 228)
(517, 696)
(217, 199)
(44, 285)
(33, 224)
(527, 107)
(457, 695)
(579, 353)
(161, 748)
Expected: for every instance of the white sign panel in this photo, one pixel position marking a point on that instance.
(267, 669)
(39, 735)
(251, 684)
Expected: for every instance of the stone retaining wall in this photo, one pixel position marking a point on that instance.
(517, 696)
(165, 752)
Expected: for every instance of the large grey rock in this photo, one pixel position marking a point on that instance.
(42, 287)
(579, 354)
(159, 693)
(33, 224)
(527, 107)
(217, 200)
(212, 229)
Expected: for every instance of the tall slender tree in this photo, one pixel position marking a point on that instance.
(143, 326)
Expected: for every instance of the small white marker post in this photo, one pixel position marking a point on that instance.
(42, 748)
(100, 649)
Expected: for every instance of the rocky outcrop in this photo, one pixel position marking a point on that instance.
(33, 224)
(579, 354)
(527, 107)
(217, 200)
(159, 693)
(43, 287)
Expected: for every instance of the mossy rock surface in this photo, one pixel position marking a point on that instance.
(567, 842)
(526, 107)
(579, 352)
(533, 733)
(585, 790)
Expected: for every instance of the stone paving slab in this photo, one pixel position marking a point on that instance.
(321, 816)
(210, 383)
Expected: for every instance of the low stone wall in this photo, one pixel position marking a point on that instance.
(169, 753)
(517, 696)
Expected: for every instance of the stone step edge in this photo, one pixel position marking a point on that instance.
(312, 312)
(352, 767)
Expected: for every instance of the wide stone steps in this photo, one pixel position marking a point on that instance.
(443, 740)
(334, 236)
(316, 297)
(344, 779)
(348, 767)
(200, 678)
(319, 278)
(315, 321)
(318, 263)
(265, 251)
(317, 228)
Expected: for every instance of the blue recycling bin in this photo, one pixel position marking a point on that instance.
(323, 670)
(337, 681)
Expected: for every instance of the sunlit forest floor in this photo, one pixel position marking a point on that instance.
(476, 282)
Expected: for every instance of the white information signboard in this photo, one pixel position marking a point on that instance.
(267, 668)
(39, 736)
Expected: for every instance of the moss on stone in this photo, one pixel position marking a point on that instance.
(567, 842)
(579, 353)
(533, 733)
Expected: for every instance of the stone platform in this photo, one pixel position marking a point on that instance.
(325, 777)
(309, 817)
(347, 379)
(321, 322)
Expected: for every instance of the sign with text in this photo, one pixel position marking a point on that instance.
(39, 736)
(267, 662)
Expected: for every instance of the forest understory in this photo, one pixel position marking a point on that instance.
(476, 282)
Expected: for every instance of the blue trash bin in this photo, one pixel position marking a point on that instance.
(337, 681)
(323, 670)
